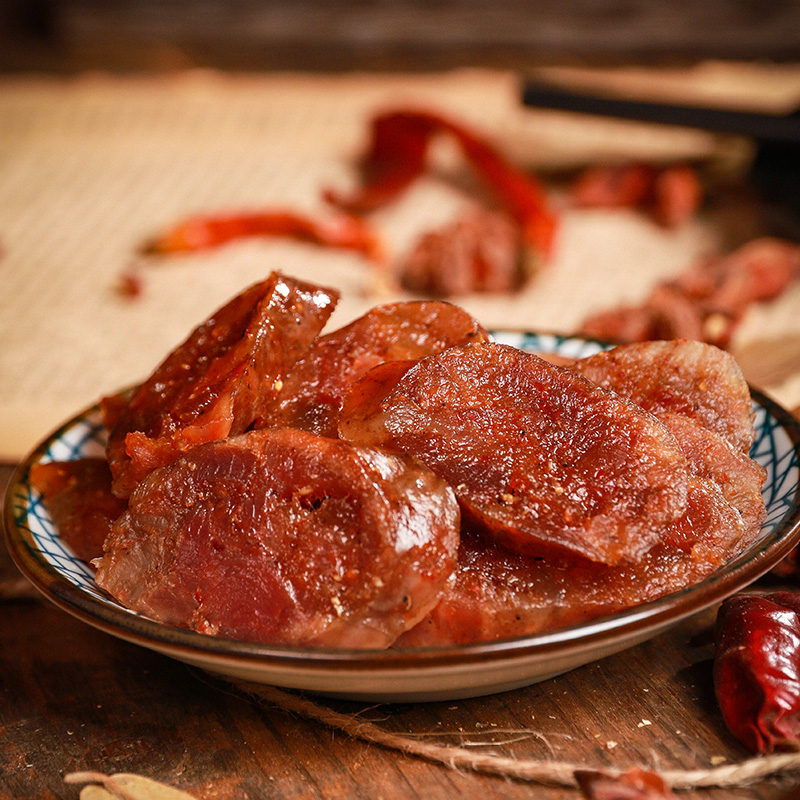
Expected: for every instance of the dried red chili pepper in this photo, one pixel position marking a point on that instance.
(635, 784)
(708, 300)
(671, 195)
(202, 232)
(757, 669)
(396, 156)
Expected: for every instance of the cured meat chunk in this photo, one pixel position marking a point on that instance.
(480, 251)
(539, 457)
(680, 376)
(738, 476)
(498, 593)
(78, 496)
(282, 536)
(312, 393)
(216, 382)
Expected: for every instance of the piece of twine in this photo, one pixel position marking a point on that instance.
(542, 771)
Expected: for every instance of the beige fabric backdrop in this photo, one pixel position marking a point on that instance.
(91, 167)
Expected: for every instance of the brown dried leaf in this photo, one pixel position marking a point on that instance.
(124, 786)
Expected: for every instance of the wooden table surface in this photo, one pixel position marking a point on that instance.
(73, 699)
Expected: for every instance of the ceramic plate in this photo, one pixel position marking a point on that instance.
(410, 675)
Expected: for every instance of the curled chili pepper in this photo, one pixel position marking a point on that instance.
(757, 670)
(203, 232)
(396, 157)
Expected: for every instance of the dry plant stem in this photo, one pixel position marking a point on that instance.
(552, 773)
(106, 781)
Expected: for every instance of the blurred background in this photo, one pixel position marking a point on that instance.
(74, 35)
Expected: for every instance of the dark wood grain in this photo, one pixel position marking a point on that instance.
(73, 698)
(73, 35)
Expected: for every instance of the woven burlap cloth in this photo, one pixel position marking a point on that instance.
(93, 166)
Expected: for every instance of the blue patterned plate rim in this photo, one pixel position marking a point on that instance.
(42, 557)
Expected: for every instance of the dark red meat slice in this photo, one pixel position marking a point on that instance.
(480, 251)
(708, 300)
(312, 393)
(728, 284)
(670, 194)
(78, 496)
(538, 456)
(691, 378)
(499, 593)
(216, 382)
(282, 536)
(712, 457)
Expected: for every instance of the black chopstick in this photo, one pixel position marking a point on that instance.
(763, 127)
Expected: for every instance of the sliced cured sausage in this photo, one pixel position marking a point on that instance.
(712, 457)
(538, 456)
(679, 376)
(283, 536)
(78, 496)
(499, 593)
(216, 382)
(312, 393)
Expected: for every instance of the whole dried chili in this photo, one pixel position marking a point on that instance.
(396, 157)
(670, 195)
(206, 231)
(757, 669)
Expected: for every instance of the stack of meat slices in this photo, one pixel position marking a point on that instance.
(404, 481)
(604, 483)
(247, 517)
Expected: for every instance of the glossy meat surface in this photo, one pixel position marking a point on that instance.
(499, 593)
(681, 376)
(480, 251)
(312, 393)
(282, 536)
(539, 458)
(713, 458)
(216, 382)
(78, 496)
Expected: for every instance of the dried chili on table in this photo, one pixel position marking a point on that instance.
(205, 231)
(635, 784)
(670, 195)
(757, 669)
(396, 157)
